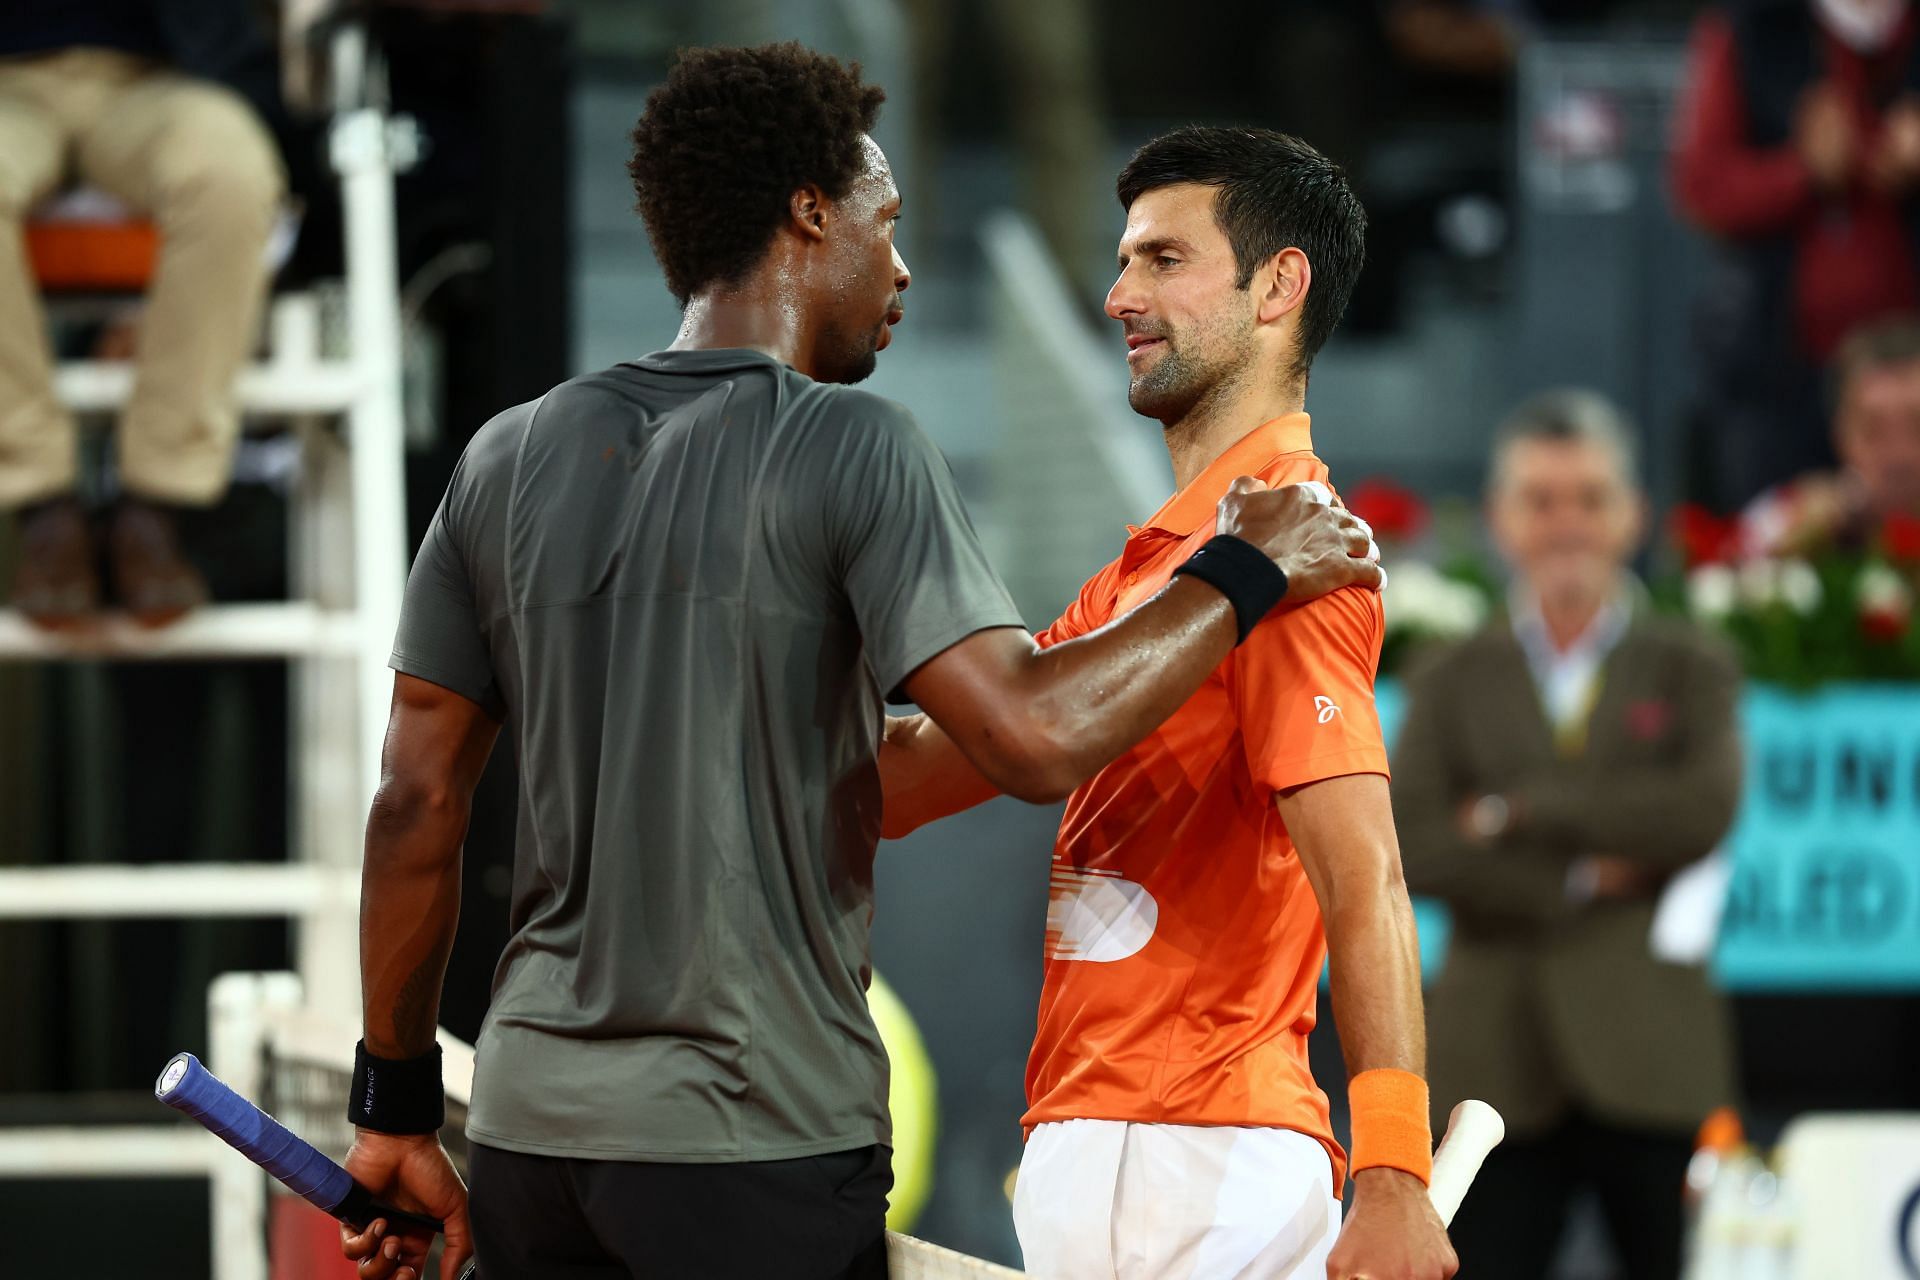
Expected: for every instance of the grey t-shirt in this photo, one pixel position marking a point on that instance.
(684, 583)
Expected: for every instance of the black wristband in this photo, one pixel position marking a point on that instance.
(397, 1095)
(1243, 573)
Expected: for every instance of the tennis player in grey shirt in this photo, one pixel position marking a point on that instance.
(685, 586)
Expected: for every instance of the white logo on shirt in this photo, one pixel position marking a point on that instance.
(1096, 915)
(1325, 707)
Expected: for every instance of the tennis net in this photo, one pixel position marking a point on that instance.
(305, 1062)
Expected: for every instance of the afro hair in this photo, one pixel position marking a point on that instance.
(724, 143)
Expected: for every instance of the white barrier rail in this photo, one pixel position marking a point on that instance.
(193, 890)
(124, 1151)
(264, 391)
(290, 630)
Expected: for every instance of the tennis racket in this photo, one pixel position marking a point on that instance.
(187, 1086)
(1473, 1130)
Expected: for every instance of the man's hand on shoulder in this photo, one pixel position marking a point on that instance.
(1321, 546)
(1391, 1232)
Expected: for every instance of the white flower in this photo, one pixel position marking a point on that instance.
(1422, 599)
(1800, 587)
(1881, 589)
(1712, 591)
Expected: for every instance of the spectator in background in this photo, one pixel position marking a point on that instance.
(100, 90)
(1553, 772)
(1799, 149)
(1876, 431)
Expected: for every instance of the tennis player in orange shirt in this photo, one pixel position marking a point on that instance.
(1200, 880)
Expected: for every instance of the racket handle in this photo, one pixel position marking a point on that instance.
(188, 1086)
(1473, 1130)
(360, 1208)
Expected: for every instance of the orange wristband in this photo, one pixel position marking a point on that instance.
(1390, 1126)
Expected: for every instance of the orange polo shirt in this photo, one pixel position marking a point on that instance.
(1184, 944)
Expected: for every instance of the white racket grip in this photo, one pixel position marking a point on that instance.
(1473, 1130)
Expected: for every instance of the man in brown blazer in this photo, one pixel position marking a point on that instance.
(1553, 773)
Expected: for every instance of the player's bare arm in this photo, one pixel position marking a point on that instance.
(437, 745)
(1002, 714)
(1343, 828)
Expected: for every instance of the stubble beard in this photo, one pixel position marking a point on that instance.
(1178, 383)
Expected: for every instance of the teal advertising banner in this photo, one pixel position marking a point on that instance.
(1826, 854)
(1825, 893)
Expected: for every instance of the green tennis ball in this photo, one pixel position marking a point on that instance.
(914, 1098)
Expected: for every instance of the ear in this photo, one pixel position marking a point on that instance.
(1281, 285)
(808, 210)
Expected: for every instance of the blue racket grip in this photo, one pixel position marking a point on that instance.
(188, 1086)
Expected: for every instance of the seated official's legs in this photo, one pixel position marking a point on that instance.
(196, 158)
(55, 580)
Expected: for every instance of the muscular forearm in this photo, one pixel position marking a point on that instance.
(1343, 828)
(924, 776)
(409, 907)
(1375, 957)
(1094, 697)
(1036, 723)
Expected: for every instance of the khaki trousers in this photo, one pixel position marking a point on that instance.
(193, 157)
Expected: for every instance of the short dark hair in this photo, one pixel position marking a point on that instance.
(1874, 345)
(1275, 192)
(724, 143)
(1568, 415)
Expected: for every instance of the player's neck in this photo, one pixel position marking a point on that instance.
(745, 319)
(1218, 422)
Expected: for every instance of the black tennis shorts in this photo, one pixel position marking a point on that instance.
(556, 1218)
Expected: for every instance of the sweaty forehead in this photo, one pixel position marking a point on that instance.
(877, 181)
(1183, 212)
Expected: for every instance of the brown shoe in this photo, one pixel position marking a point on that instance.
(152, 578)
(56, 585)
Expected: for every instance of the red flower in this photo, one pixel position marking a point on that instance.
(1704, 537)
(1900, 535)
(1884, 626)
(1394, 512)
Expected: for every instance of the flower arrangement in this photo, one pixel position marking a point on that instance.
(1830, 611)
(1834, 608)
(1423, 603)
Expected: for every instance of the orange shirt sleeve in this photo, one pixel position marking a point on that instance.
(1302, 690)
(1090, 610)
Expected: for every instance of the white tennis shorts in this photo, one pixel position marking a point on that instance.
(1108, 1200)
